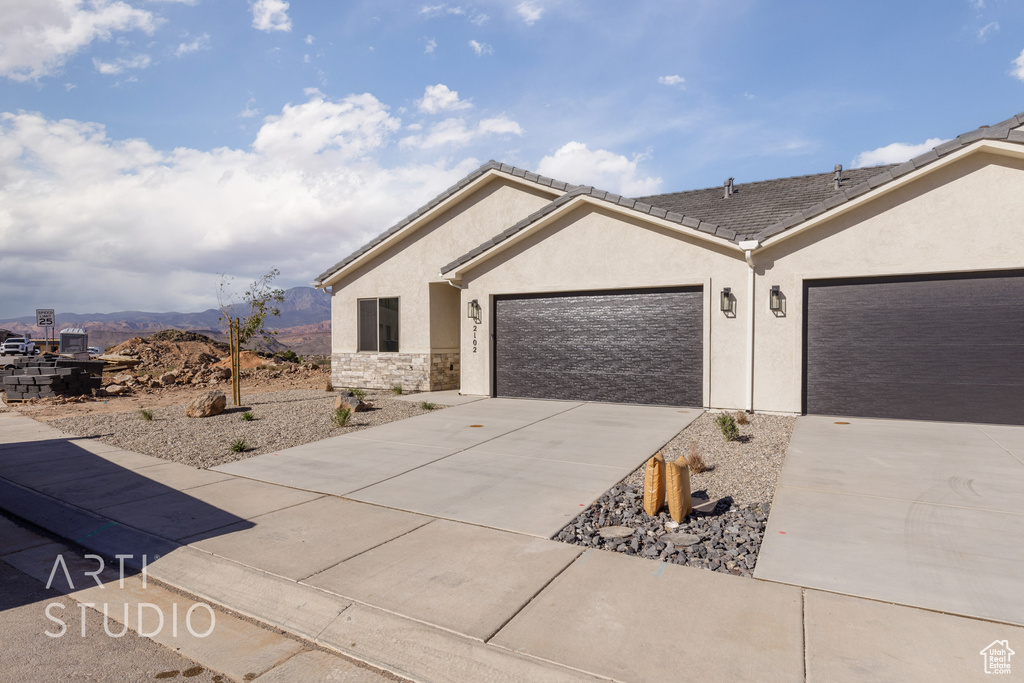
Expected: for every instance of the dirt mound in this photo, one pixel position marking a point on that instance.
(185, 336)
(157, 354)
(246, 360)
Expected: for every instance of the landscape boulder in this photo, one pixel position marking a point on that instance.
(352, 403)
(124, 378)
(168, 378)
(207, 405)
(115, 389)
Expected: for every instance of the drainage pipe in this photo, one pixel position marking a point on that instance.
(748, 247)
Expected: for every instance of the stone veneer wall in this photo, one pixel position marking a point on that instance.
(414, 371)
(444, 370)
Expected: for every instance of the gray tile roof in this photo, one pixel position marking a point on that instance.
(755, 206)
(490, 165)
(762, 209)
(756, 210)
(634, 204)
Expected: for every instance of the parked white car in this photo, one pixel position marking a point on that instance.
(17, 346)
(94, 351)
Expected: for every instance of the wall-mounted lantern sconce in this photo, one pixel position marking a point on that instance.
(728, 304)
(775, 300)
(473, 311)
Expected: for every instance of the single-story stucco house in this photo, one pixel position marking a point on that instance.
(891, 291)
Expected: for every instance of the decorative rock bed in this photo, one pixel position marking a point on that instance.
(725, 538)
(741, 476)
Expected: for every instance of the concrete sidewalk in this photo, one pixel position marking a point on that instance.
(437, 600)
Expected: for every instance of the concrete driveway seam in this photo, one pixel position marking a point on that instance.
(363, 552)
(462, 450)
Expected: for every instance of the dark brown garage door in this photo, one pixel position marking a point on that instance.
(929, 348)
(637, 346)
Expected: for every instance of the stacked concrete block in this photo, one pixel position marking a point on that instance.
(40, 382)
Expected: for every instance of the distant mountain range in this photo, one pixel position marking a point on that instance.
(304, 323)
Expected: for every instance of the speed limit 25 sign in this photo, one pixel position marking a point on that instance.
(44, 317)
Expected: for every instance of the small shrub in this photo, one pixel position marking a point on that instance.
(288, 356)
(238, 446)
(727, 423)
(328, 387)
(247, 416)
(358, 393)
(694, 460)
(427, 405)
(741, 418)
(341, 416)
(145, 415)
(396, 389)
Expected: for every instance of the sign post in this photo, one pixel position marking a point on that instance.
(45, 319)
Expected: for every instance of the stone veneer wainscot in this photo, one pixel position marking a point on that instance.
(414, 371)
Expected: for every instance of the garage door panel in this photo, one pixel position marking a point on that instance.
(624, 347)
(939, 348)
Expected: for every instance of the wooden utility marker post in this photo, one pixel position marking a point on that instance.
(236, 381)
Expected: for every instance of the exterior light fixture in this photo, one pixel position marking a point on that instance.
(775, 299)
(473, 311)
(727, 303)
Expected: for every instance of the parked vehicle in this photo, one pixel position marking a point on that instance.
(94, 351)
(17, 346)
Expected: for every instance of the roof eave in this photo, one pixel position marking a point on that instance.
(440, 207)
(456, 273)
(1000, 147)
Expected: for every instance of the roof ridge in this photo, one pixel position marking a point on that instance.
(1001, 131)
(766, 180)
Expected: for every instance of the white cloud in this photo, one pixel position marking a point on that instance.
(440, 10)
(977, 4)
(250, 111)
(985, 31)
(575, 163)
(200, 43)
(430, 46)
(672, 80)
(120, 64)
(530, 12)
(160, 225)
(459, 132)
(38, 37)
(1018, 64)
(309, 40)
(271, 15)
(896, 153)
(438, 98)
(481, 48)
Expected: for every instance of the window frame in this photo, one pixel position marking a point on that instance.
(377, 332)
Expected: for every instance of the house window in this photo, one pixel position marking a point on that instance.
(378, 324)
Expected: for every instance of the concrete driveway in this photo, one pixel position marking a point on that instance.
(513, 464)
(926, 514)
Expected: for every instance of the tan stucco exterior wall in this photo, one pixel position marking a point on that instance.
(593, 249)
(406, 269)
(968, 216)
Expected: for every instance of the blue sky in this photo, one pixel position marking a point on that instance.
(148, 145)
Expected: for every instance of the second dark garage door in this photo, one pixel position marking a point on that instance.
(947, 348)
(636, 346)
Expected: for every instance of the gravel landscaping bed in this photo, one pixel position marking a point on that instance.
(725, 535)
(283, 419)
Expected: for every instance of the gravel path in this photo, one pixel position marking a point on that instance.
(741, 477)
(283, 419)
